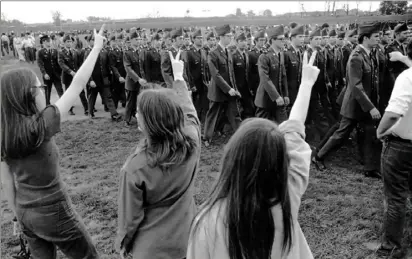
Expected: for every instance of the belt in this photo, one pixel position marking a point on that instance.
(394, 138)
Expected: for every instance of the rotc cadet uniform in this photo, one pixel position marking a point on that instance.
(150, 64)
(241, 72)
(348, 48)
(254, 55)
(132, 85)
(186, 39)
(118, 74)
(68, 60)
(211, 41)
(340, 69)
(360, 98)
(194, 64)
(101, 78)
(273, 82)
(293, 65)
(397, 67)
(47, 60)
(222, 82)
(385, 89)
(331, 69)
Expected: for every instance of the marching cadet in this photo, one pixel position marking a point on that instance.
(306, 41)
(167, 40)
(293, 62)
(272, 95)
(47, 60)
(317, 122)
(397, 67)
(287, 40)
(118, 72)
(151, 67)
(249, 41)
(222, 92)
(211, 41)
(254, 54)
(100, 82)
(133, 79)
(194, 64)
(127, 44)
(351, 41)
(241, 72)
(340, 68)
(68, 60)
(331, 70)
(186, 41)
(360, 103)
(166, 65)
(384, 79)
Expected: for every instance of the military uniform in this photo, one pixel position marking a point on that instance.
(254, 55)
(360, 98)
(118, 71)
(47, 61)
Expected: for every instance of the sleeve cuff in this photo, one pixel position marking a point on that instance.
(293, 126)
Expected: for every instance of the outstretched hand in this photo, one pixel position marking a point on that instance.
(177, 66)
(396, 56)
(309, 71)
(99, 39)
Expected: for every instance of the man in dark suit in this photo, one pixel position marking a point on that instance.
(133, 78)
(241, 71)
(272, 95)
(118, 72)
(222, 92)
(293, 62)
(166, 65)
(47, 60)
(194, 65)
(99, 82)
(150, 62)
(254, 55)
(360, 103)
(331, 70)
(68, 60)
(351, 41)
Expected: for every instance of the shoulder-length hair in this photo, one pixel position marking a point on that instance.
(253, 179)
(166, 143)
(22, 126)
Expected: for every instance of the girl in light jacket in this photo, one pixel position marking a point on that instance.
(252, 211)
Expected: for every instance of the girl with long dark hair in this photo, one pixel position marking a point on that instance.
(30, 162)
(156, 193)
(252, 212)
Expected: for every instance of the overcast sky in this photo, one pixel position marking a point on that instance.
(40, 12)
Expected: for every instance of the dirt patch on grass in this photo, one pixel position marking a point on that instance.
(340, 212)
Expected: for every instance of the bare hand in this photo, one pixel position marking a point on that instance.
(329, 85)
(99, 39)
(121, 80)
(142, 81)
(280, 101)
(376, 115)
(287, 101)
(73, 73)
(177, 66)
(232, 92)
(193, 89)
(46, 77)
(92, 84)
(309, 71)
(396, 56)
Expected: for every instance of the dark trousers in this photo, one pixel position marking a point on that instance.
(335, 108)
(200, 100)
(29, 54)
(396, 167)
(131, 105)
(118, 93)
(57, 84)
(216, 110)
(277, 114)
(106, 96)
(55, 225)
(248, 108)
(316, 123)
(369, 143)
(5, 46)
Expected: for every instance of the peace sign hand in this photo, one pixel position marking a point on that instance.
(177, 66)
(309, 71)
(99, 39)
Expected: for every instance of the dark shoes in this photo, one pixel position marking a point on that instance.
(319, 163)
(116, 117)
(391, 253)
(372, 174)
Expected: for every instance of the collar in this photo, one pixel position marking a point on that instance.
(366, 50)
(224, 48)
(294, 47)
(177, 49)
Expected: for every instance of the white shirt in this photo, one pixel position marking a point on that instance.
(401, 103)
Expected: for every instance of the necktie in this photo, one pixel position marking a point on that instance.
(244, 56)
(226, 52)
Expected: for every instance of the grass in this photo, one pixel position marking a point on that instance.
(340, 213)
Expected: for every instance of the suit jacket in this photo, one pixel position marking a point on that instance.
(222, 77)
(166, 66)
(361, 95)
(293, 67)
(151, 66)
(131, 65)
(241, 73)
(331, 65)
(101, 71)
(397, 67)
(273, 81)
(323, 78)
(254, 55)
(47, 60)
(346, 51)
(68, 60)
(340, 68)
(116, 64)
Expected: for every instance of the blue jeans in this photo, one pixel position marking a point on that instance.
(396, 168)
(52, 225)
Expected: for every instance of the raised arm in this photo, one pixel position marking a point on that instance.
(82, 76)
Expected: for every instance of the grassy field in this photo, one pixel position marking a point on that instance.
(341, 211)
